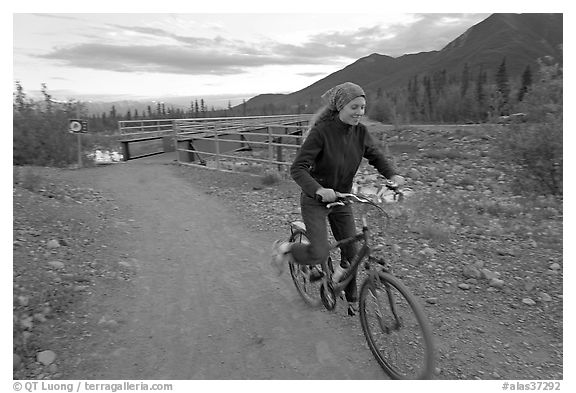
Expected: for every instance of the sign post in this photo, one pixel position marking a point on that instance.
(78, 127)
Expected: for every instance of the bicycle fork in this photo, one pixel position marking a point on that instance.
(380, 307)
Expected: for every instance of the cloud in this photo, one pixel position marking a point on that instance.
(311, 74)
(425, 33)
(155, 59)
(429, 31)
(180, 54)
(164, 59)
(57, 16)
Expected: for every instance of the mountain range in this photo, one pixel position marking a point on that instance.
(520, 39)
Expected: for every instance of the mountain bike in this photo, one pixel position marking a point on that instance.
(393, 322)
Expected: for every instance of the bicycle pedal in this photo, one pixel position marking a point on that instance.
(316, 275)
(352, 310)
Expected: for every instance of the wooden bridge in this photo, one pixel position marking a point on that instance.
(220, 143)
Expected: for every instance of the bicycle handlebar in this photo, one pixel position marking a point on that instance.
(347, 198)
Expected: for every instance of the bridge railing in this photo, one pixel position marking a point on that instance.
(228, 143)
(248, 144)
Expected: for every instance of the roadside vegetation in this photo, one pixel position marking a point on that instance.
(532, 143)
(481, 236)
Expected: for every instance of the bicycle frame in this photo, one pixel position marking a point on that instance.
(329, 288)
(361, 254)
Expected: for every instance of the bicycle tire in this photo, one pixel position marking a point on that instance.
(308, 290)
(404, 351)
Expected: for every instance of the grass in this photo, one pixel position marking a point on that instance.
(28, 178)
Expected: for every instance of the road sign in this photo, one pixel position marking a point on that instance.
(77, 126)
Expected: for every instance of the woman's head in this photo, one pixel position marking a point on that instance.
(336, 99)
(349, 100)
(340, 95)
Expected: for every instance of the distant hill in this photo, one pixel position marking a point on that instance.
(96, 107)
(519, 38)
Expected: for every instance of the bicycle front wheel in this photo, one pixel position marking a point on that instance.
(396, 329)
(307, 279)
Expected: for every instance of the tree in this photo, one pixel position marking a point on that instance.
(503, 89)
(465, 80)
(428, 101)
(47, 98)
(21, 102)
(526, 83)
(480, 93)
(413, 100)
(481, 81)
(439, 80)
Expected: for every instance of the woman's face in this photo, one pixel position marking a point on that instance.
(353, 111)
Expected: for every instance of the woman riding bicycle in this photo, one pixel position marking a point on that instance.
(325, 165)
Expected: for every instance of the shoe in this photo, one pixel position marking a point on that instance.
(352, 308)
(338, 273)
(280, 256)
(316, 274)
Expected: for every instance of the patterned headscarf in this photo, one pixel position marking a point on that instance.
(338, 96)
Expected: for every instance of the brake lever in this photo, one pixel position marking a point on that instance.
(332, 204)
(343, 199)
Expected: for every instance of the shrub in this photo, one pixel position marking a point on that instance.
(40, 131)
(271, 178)
(535, 148)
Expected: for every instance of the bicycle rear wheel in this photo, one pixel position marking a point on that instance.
(396, 329)
(307, 285)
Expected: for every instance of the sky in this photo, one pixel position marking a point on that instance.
(103, 56)
(106, 51)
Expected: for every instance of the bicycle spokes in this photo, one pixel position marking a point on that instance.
(395, 330)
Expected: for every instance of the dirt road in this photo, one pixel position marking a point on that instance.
(203, 302)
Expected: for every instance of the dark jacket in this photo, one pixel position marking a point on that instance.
(331, 154)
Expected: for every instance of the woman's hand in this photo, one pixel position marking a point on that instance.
(327, 194)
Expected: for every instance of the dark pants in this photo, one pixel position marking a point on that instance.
(341, 219)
